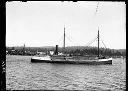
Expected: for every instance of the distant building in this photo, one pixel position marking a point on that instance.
(60, 53)
(51, 52)
(41, 53)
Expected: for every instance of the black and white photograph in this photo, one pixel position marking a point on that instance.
(66, 45)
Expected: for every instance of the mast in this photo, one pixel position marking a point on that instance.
(64, 37)
(24, 49)
(98, 42)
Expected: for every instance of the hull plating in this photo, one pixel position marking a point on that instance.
(92, 62)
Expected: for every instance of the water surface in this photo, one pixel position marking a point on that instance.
(21, 74)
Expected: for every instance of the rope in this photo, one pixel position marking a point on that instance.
(59, 41)
(91, 42)
(103, 44)
(97, 8)
(70, 39)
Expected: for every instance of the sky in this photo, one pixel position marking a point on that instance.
(42, 23)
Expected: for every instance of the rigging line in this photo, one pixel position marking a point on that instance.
(91, 41)
(60, 39)
(103, 44)
(97, 8)
(68, 38)
(71, 39)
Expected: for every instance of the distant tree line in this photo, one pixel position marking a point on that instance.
(74, 50)
(83, 51)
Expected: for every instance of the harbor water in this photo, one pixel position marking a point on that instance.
(21, 74)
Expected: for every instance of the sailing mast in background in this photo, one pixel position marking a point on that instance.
(98, 28)
(64, 37)
(98, 42)
(24, 49)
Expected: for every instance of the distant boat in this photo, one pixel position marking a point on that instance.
(64, 59)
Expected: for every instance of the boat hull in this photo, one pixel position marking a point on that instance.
(59, 61)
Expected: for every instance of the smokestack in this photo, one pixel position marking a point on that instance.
(56, 51)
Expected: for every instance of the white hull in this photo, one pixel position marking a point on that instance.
(105, 59)
(47, 59)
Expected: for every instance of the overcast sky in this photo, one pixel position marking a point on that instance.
(42, 23)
